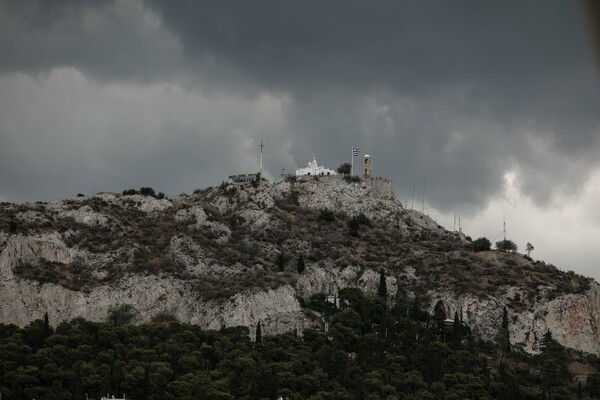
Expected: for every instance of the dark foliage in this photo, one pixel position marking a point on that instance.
(281, 262)
(344, 169)
(369, 352)
(482, 244)
(327, 215)
(351, 179)
(144, 191)
(13, 226)
(506, 245)
(121, 315)
(147, 191)
(382, 289)
(301, 265)
(258, 338)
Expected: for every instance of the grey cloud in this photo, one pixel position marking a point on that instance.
(109, 138)
(110, 40)
(493, 71)
(445, 91)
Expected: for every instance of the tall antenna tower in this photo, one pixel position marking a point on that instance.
(504, 223)
(412, 203)
(261, 156)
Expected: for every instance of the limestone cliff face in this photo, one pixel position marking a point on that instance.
(573, 318)
(373, 197)
(211, 259)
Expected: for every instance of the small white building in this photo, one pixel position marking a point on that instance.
(312, 168)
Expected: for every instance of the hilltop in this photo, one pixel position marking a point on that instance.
(228, 256)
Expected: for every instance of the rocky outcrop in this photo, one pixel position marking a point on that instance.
(373, 197)
(573, 319)
(227, 234)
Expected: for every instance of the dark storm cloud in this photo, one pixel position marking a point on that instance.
(455, 94)
(491, 73)
(68, 135)
(112, 40)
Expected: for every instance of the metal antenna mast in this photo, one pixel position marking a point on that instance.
(412, 203)
(261, 156)
(504, 223)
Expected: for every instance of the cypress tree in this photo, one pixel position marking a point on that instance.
(258, 333)
(281, 261)
(47, 330)
(382, 291)
(456, 329)
(301, 266)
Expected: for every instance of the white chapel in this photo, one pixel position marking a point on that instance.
(313, 168)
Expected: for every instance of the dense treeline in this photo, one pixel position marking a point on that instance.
(370, 351)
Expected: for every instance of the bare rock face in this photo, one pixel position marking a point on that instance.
(373, 197)
(22, 300)
(146, 204)
(329, 279)
(85, 215)
(210, 259)
(573, 319)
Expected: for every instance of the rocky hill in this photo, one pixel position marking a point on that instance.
(228, 256)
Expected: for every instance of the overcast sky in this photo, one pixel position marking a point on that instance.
(493, 107)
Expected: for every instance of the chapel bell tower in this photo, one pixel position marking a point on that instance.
(367, 166)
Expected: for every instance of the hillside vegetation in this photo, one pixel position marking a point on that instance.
(132, 240)
(239, 254)
(369, 352)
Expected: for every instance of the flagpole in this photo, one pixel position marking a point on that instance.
(352, 161)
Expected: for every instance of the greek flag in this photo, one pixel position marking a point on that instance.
(355, 151)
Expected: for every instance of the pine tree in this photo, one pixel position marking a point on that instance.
(301, 266)
(281, 261)
(548, 344)
(382, 291)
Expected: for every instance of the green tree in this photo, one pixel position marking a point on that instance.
(47, 329)
(121, 315)
(36, 332)
(344, 169)
(506, 245)
(548, 344)
(258, 333)
(301, 265)
(326, 215)
(456, 330)
(482, 244)
(593, 384)
(350, 318)
(281, 261)
(12, 226)
(147, 191)
(382, 290)
(529, 247)
(353, 227)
